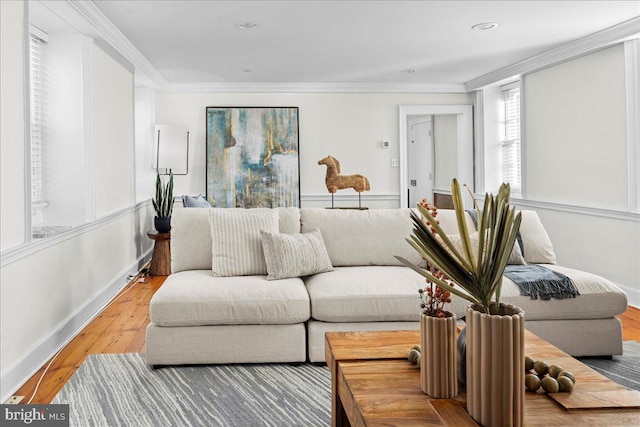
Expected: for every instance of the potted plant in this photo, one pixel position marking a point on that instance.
(163, 204)
(495, 331)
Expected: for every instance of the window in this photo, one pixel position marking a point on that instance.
(37, 44)
(510, 157)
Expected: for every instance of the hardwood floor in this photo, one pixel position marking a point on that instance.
(121, 327)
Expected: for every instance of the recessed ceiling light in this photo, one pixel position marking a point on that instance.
(408, 71)
(247, 26)
(485, 26)
(246, 70)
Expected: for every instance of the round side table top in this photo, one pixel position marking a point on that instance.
(154, 235)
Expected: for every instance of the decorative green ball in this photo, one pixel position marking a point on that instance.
(567, 374)
(565, 383)
(550, 385)
(541, 367)
(413, 356)
(554, 370)
(528, 363)
(532, 382)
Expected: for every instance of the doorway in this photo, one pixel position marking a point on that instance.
(463, 157)
(419, 159)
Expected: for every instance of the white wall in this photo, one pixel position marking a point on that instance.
(350, 127)
(576, 159)
(145, 100)
(50, 288)
(576, 147)
(445, 140)
(12, 130)
(113, 136)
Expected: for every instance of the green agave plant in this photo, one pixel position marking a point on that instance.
(163, 202)
(477, 273)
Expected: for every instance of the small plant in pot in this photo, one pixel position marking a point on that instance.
(163, 204)
(476, 265)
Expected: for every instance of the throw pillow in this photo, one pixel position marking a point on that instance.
(195, 202)
(294, 255)
(536, 245)
(236, 245)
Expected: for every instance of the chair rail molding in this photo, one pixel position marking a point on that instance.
(574, 209)
(16, 253)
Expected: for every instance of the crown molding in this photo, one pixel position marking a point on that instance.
(618, 33)
(112, 35)
(316, 87)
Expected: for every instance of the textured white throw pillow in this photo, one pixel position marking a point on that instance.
(236, 245)
(536, 245)
(294, 255)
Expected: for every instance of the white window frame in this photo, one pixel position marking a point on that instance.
(511, 138)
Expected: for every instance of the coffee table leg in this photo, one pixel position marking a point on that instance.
(338, 414)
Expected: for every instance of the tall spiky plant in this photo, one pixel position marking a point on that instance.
(478, 273)
(163, 202)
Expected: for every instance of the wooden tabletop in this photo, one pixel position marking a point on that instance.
(374, 384)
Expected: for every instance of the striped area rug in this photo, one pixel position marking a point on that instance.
(121, 390)
(625, 369)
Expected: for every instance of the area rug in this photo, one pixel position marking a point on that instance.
(121, 390)
(625, 369)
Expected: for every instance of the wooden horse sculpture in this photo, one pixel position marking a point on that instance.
(335, 181)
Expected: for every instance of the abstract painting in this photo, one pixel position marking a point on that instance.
(252, 157)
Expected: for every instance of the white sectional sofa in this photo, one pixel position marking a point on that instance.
(199, 318)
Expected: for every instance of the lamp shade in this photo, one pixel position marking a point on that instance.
(172, 149)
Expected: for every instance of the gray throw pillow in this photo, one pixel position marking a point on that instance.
(195, 202)
(294, 255)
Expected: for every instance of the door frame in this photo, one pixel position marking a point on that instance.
(464, 146)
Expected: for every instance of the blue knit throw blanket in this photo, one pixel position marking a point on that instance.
(534, 280)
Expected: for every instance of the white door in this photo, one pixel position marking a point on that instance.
(419, 159)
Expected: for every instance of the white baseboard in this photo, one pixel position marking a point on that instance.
(16, 375)
(633, 296)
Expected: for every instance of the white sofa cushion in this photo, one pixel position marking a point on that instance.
(294, 255)
(362, 237)
(196, 297)
(191, 236)
(366, 294)
(599, 298)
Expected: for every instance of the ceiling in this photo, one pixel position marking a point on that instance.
(329, 42)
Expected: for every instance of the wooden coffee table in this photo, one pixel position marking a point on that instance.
(372, 383)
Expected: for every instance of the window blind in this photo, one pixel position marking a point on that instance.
(510, 144)
(38, 203)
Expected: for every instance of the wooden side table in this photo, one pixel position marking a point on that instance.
(161, 258)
